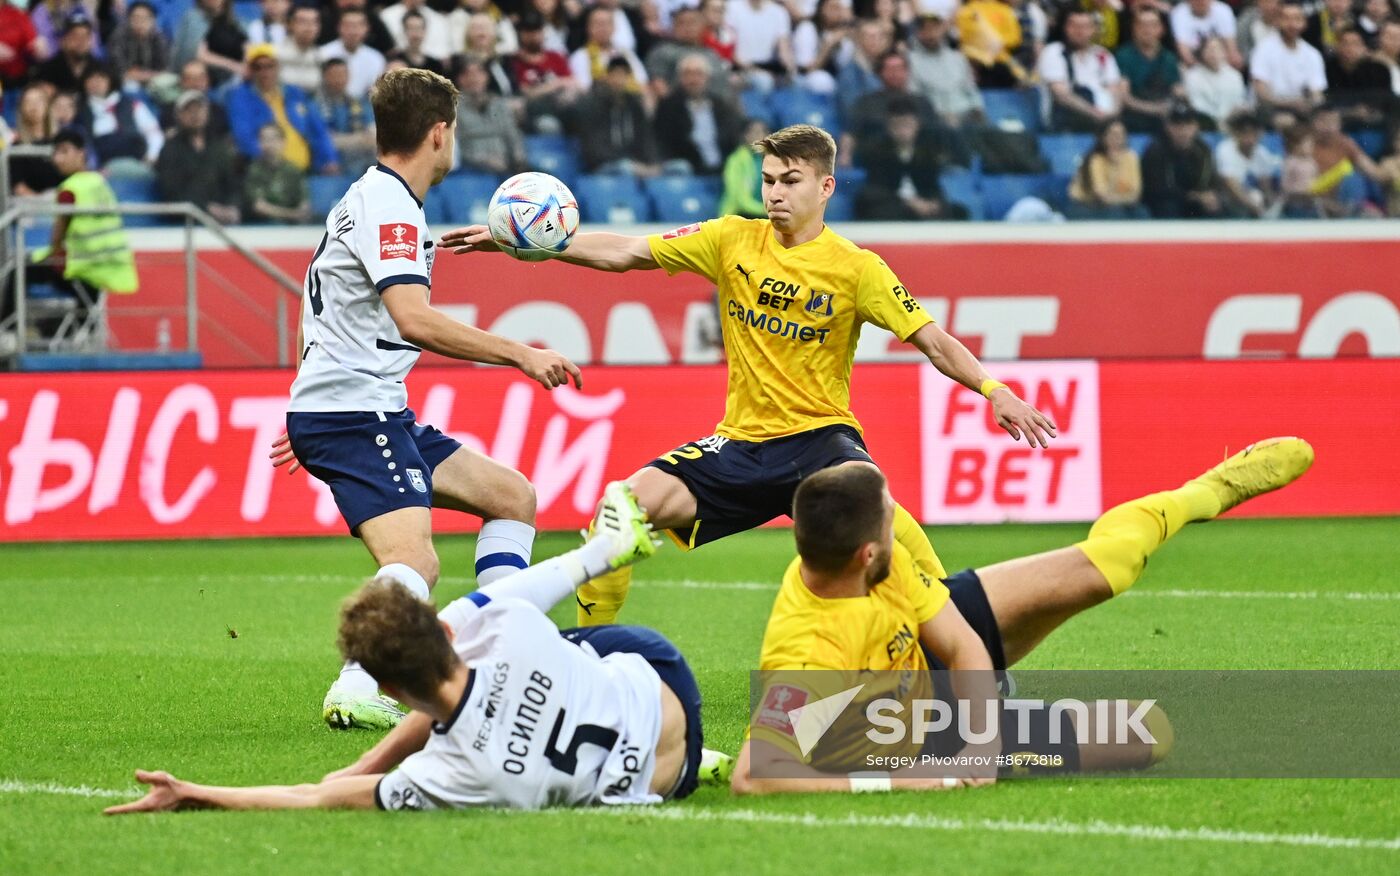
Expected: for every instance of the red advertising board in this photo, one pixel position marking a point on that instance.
(173, 455)
(1075, 298)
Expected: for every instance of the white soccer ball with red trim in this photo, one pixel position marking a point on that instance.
(532, 217)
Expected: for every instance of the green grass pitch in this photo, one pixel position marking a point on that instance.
(210, 659)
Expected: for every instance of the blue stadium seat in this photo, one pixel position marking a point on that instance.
(38, 234)
(683, 199)
(1212, 138)
(435, 206)
(1013, 105)
(169, 13)
(756, 105)
(1001, 191)
(247, 10)
(1063, 151)
(842, 205)
(1139, 142)
(1371, 141)
(136, 190)
(325, 192)
(852, 177)
(1272, 141)
(963, 187)
(554, 155)
(465, 197)
(796, 106)
(612, 199)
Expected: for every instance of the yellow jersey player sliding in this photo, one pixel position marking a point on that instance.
(792, 295)
(854, 601)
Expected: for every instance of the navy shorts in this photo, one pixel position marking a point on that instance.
(675, 673)
(373, 462)
(968, 596)
(739, 485)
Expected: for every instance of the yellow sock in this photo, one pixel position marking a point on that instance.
(1120, 541)
(909, 533)
(600, 599)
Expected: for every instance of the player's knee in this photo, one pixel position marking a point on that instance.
(424, 561)
(517, 499)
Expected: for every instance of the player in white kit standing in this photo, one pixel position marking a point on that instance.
(365, 320)
(506, 710)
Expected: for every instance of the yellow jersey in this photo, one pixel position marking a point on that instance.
(790, 318)
(846, 638)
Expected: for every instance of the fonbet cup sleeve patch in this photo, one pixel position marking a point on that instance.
(398, 240)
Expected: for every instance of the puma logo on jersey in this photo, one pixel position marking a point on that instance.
(740, 268)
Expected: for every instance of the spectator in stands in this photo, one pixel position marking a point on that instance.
(1213, 87)
(224, 45)
(743, 176)
(1300, 198)
(615, 135)
(902, 168)
(415, 28)
(688, 30)
(720, 37)
(1086, 88)
(694, 125)
(1388, 176)
(1195, 21)
(481, 47)
(1035, 29)
(1357, 84)
(138, 50)
(821, 44)
(1257, 23)
(33, 175)
(1248, 170)
(263, 100)
(20, 45)
(943, 74)
(870, 116)
(506, 39)
(378, 38)
(366, 64)
(991, 35)
(271, 25)
(541, 76)
(1178, 171)
(859, 75)
(189, 33)
(437, 42)
(50, 19)
(488, 138)
(1388, 53)
(1331, 18)
(274, 189)
(1342, 165)
(63, 111)
(299, 55)
(1108, 183)
(1151, 71)
(194, 76)
(556, 23)
(198, 165)
(117, 126)
(763, 52)
(66, 69)
(592, 60)
(1287, 73)
(348, 118)
(1374, 15)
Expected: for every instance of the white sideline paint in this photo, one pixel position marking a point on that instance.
(911, 821)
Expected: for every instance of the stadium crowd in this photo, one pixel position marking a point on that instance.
(944, 109)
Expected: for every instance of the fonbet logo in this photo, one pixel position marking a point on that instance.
(398, 241)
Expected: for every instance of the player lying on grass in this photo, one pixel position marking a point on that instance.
(507, 710)
(853, 599)
(793, 295)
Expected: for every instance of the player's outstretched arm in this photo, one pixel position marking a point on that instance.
(169, 794)
(601, 250)
(422, 326)
(407, 738)
(954, 360)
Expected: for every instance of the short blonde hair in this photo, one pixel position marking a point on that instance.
(801, 143)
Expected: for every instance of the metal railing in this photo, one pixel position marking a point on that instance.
(13, 219)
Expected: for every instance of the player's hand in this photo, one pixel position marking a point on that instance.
(166, 795)
(282, 454)
(1019, 418)
(549, 369)
(473, 238)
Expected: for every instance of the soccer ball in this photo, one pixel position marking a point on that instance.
(532, 217)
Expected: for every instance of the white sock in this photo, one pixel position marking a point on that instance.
(503, 548)
(546, 584)
(355, 680)
(407, 576)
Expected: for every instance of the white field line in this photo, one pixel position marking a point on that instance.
(691, 584)
(911, 821)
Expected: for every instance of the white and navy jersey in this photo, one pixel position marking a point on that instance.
(355, 359)
(543, 721)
